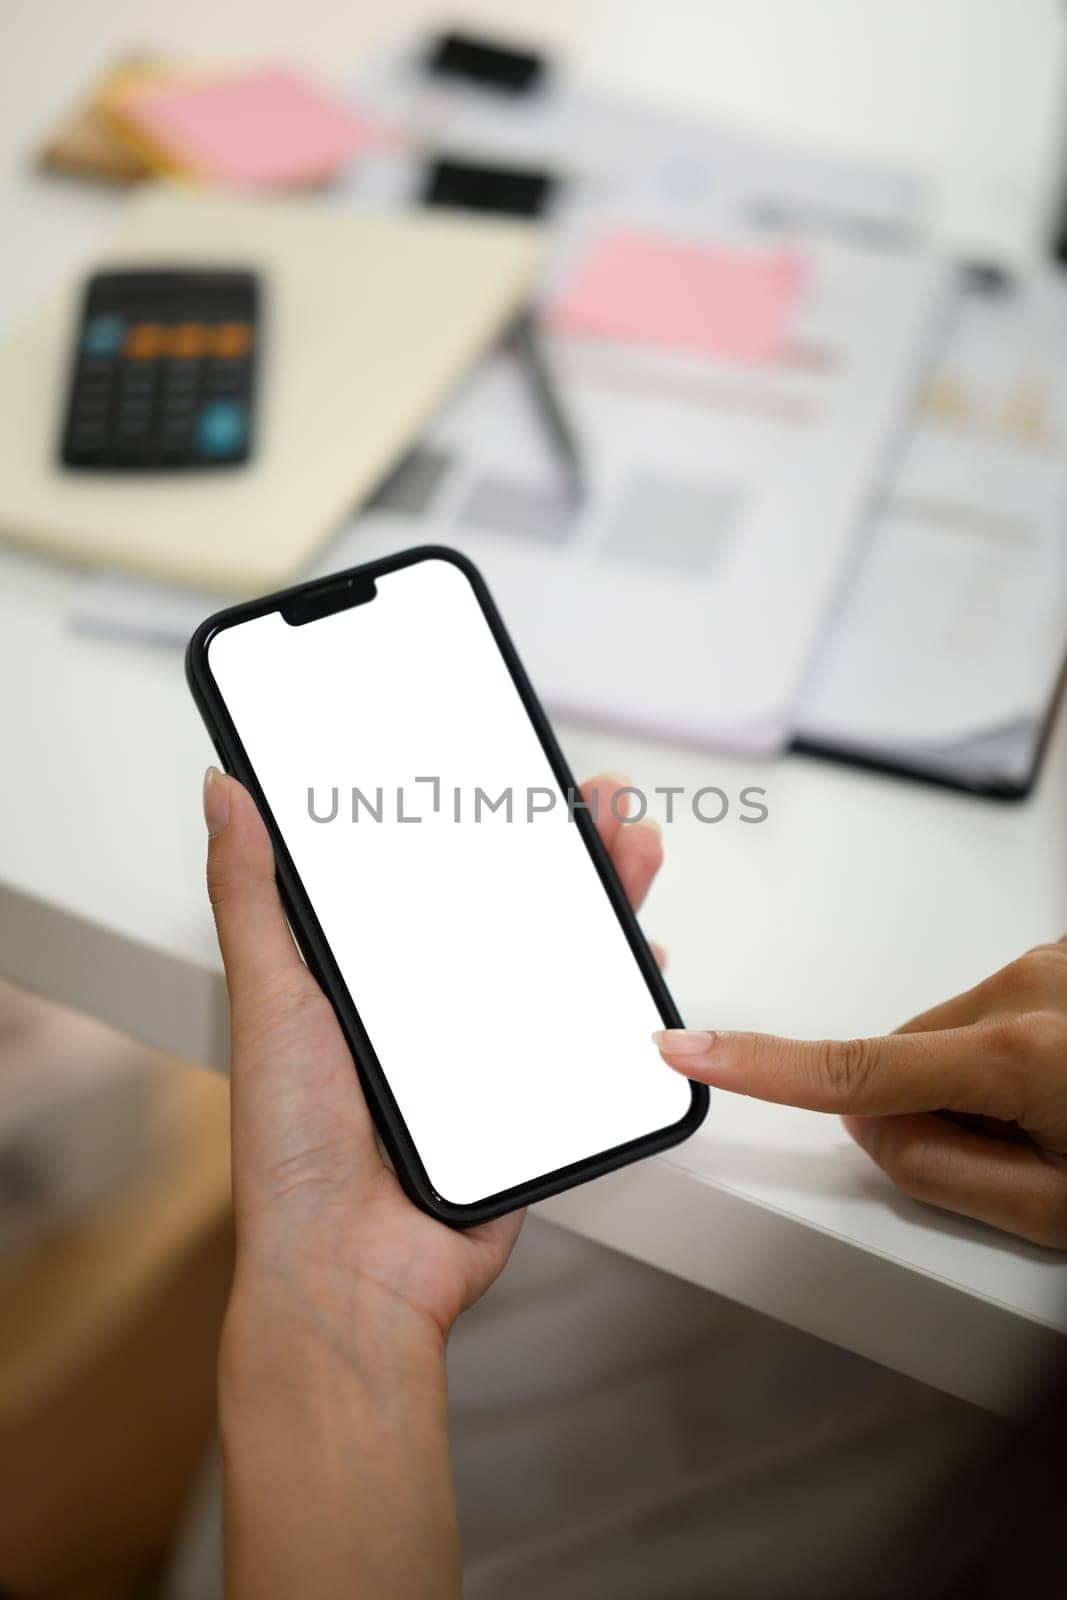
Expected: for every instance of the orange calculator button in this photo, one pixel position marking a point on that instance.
(232, 339)
(145, 341)
(189, 340)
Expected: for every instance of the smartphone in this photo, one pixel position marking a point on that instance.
(458, 909)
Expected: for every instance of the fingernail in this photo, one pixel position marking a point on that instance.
(684, 1041)
(216, 802)
(651, 823)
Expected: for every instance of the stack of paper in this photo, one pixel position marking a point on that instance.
(808, 514)
(738, 352)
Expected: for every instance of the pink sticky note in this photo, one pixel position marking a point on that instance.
(651, 289)
(255, 128)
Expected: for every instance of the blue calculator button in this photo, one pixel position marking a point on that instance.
(221, 428)
(103, 335)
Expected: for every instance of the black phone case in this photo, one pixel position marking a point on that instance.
(321, 597)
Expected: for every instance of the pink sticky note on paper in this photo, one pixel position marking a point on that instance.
(256, 128)
(650, 289)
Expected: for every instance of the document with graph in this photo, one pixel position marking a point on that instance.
(946, 653)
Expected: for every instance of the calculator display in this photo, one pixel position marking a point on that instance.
(163, 371)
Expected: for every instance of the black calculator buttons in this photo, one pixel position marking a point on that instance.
(227, 377)
(87, 440)
(164, 371)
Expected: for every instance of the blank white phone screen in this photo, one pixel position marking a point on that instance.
(483, 956)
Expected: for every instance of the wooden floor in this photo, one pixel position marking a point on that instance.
(108, 1332)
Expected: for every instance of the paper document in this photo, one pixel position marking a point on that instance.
(613, 151)
(737, 352)
(948, 646)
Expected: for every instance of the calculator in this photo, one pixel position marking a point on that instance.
(163, 371)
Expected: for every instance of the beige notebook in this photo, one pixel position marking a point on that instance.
(367, 324)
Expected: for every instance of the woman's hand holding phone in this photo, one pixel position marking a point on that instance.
(344, 1291)
(332, 1375)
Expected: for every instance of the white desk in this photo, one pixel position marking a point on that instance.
(859, 902)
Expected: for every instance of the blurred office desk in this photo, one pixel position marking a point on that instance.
(857, 903)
